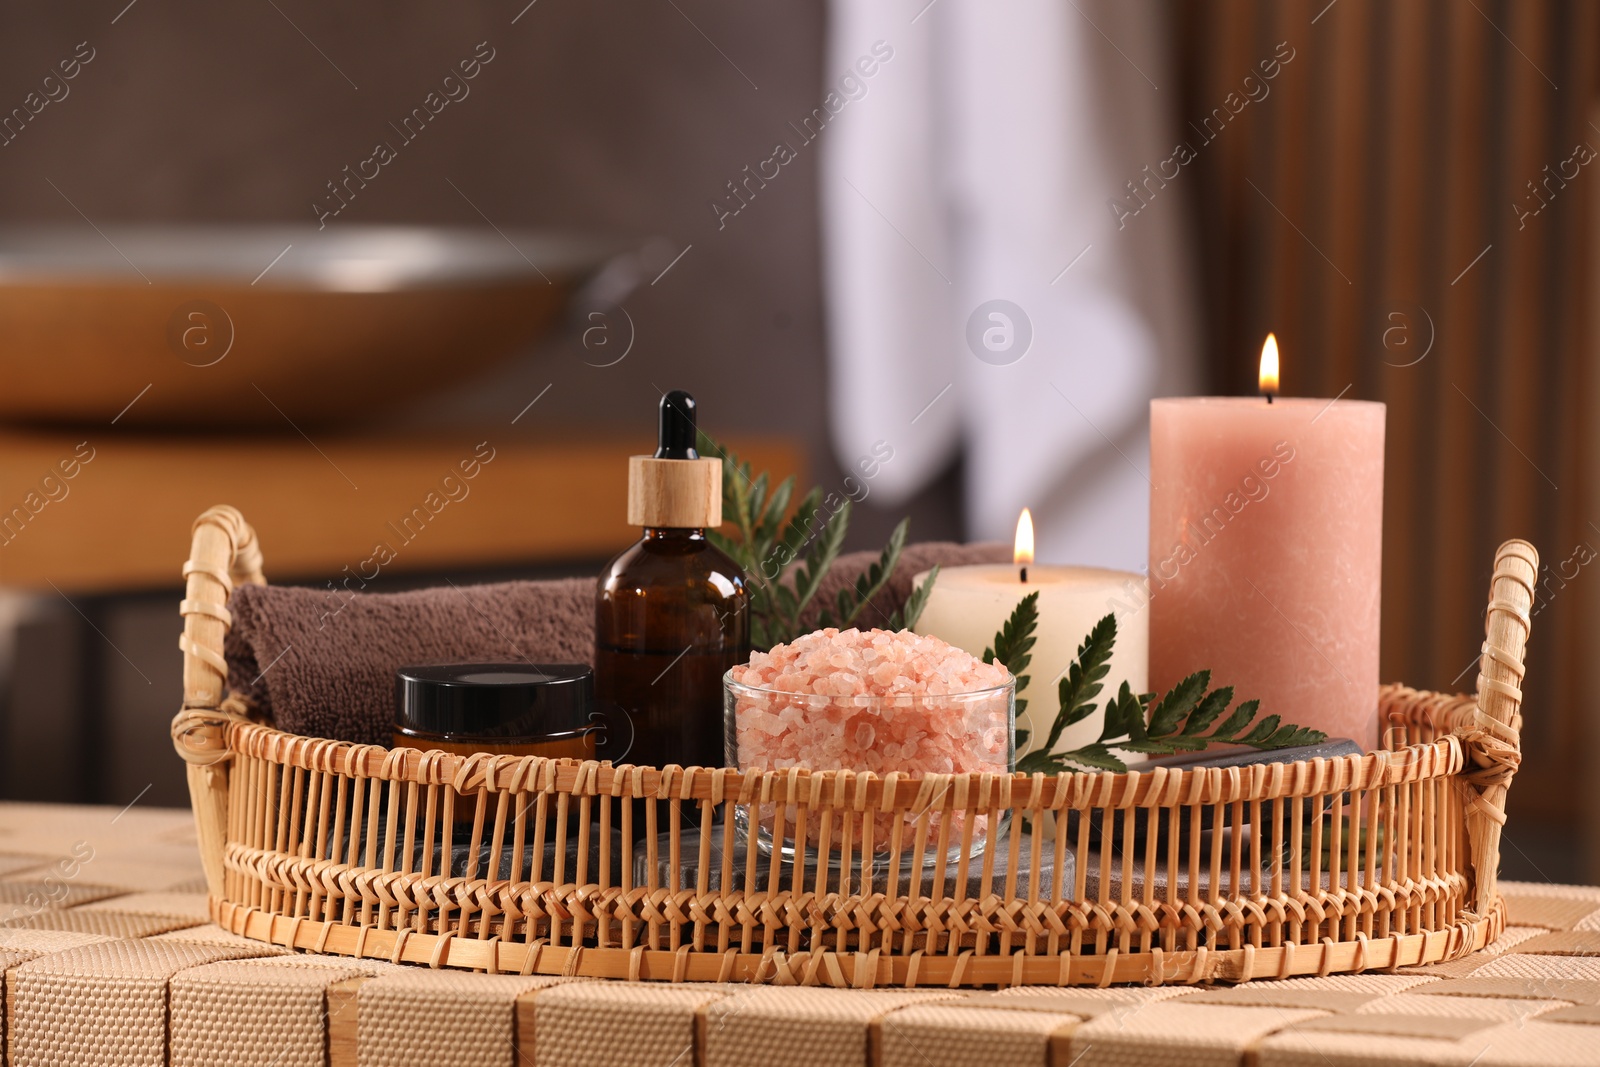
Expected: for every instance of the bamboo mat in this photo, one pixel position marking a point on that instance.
(108, 958)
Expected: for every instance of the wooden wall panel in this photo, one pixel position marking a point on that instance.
(1401, 273)
(1366, 212)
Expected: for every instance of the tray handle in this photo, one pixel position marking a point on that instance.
(223, 554)
(1492, 740)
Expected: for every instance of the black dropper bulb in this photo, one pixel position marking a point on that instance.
(677, 436)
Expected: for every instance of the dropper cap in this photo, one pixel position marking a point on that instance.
(676, 487)
(676, 437)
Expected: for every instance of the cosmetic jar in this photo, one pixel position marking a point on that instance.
(517, 709)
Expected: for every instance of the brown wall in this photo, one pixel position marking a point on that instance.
(1347, 211)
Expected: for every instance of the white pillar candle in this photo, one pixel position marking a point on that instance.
(969, 605)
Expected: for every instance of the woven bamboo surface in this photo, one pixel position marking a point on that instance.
(201, 996)
(546, 867)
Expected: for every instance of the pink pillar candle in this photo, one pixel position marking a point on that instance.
(1266, 539)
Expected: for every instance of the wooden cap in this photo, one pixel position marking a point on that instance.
(682, 493)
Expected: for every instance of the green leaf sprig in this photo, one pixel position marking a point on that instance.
(907, 617)
(786, 560)
(1013, 646)
(1183, 720)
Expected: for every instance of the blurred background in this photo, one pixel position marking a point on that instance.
(808, 215)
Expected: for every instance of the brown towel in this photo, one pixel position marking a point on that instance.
(322, 663)
(914, 559)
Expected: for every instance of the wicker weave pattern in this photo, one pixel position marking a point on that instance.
(232, 1013)
(624, 1024)
(940, 1035)
(474, 1014)
(9, 958)
(1514, 1003)
(772, 1025)
(164, 905)
(40, 942)
(1166, 876)
(100, 1004)
(29, 897)
(1187, 1034)
(104, 923)
(1531, 1043)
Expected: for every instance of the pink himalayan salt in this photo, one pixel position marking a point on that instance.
(878, 701)
(873, 701)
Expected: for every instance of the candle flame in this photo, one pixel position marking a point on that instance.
(1269, 366)
(1022, 552)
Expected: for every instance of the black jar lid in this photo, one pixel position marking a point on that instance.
(510, 701)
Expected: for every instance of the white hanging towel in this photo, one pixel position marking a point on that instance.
(984, 292)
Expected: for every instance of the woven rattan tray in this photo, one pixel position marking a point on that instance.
(1322, 866)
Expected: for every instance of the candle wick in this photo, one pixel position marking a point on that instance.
(1024, 575)
(1269, 398)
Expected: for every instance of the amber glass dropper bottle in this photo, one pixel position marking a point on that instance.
(672, 611)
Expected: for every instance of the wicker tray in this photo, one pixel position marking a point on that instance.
(1340, 865)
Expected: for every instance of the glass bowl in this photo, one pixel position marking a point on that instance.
(915, 733)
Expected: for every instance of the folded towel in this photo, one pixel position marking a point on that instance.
(322, 663)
